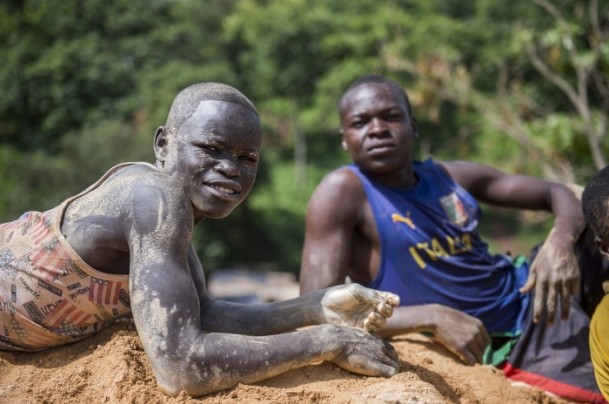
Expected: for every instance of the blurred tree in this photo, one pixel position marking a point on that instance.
(527, 77)
(548, 87)
(87, 83)
(521, 85)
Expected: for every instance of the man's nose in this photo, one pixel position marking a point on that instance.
(377, 127)
(227, 167)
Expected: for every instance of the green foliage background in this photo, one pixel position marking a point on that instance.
(86, 83)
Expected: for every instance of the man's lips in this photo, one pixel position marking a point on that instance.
(381, 146)
(224, 189)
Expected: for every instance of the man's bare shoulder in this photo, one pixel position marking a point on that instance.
(132, 188)
(340, 191)
(340, 181)
(133, 172)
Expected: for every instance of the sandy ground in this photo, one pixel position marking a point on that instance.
(112, 368)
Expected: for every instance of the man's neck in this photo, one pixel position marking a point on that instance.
(405, 178)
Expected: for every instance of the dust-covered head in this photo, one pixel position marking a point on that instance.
(187, 101)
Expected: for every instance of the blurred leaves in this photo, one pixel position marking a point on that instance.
(523, 85)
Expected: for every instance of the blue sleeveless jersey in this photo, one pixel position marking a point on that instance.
(431, 251)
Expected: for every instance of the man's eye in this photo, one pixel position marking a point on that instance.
(209, 148)
(249, 158)
(357, 124)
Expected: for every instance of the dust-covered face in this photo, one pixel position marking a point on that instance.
(377, 128)
(215, 153)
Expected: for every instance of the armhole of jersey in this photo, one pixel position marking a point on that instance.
(365, 185)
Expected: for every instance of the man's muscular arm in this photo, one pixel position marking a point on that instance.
(343, 305)
(166, 305)
(346, 305)
(333, 213)
(554, 274)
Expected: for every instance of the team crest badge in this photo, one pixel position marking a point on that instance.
(454, 209)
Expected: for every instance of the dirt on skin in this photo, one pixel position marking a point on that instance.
(112, 367)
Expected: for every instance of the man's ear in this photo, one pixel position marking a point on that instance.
(415, 126)
(343, 142)
(160, 144)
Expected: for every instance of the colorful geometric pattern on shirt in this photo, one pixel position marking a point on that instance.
(6, 305)
(48, 295)
(17, 266)
(32, 336)
(65, 311)
(38, 230)
(104, 291)
(49, 260)
(6, 256)
(19, 223)
(69, 330)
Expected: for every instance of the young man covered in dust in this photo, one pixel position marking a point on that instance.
(595, 203)
(411, 227)
(124, 245)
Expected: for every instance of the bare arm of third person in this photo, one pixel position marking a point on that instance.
(171, 312)
(554, 275)
(335, 211)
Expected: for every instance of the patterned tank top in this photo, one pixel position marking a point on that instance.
(48, 295)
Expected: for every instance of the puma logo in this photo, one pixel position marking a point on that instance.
(397, 218)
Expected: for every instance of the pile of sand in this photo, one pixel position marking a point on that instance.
(112, 368)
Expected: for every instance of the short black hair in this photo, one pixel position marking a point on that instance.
(187, 101)
(595, 203)
(377, 78)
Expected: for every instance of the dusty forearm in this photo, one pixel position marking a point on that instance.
(569, 220)
(217, 361)
(261, 319)
(407, 319)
